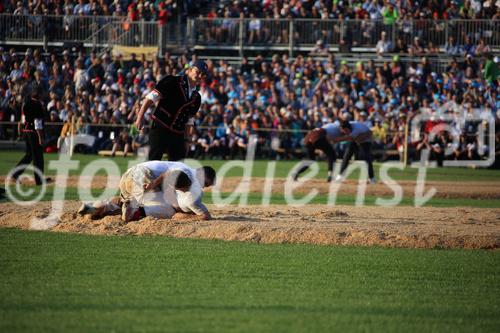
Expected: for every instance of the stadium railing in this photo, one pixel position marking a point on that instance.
(237, 34)
(355, 35)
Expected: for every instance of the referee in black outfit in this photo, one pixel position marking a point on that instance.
(177, 102)
(32, 129)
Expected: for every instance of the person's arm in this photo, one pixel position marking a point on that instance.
(189, 130)
(144, 107)
(319, 84)
(363, 137)
(343, 138)
(192, 216)
(195, 207)
(40, 137)
(156, 182)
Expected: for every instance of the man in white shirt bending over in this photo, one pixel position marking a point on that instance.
(161, 189)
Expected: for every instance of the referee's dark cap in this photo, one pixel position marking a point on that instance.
(201, 65)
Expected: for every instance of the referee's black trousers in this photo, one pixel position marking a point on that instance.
(162, 140)
(34, 152)
(353, 148)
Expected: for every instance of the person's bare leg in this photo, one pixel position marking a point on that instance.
(114, 149)
(126, 150)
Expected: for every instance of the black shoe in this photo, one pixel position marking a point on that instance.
(295, 177)
(328, 179)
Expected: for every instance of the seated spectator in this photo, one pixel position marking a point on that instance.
(383, 45)
(482, 48)
(379, 135)
(320, 48)
(207, 146)
(416, 48)
(139, 140)
(469, 46)
(52, 132)
(67, 130)
(431, 49)
(122, 143)
(452, 47)
(400, 46)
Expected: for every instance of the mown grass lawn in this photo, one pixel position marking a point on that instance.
(8, 160)
(55, 282)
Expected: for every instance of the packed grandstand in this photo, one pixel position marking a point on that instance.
(404, 70)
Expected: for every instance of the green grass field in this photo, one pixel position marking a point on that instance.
(9, 159)
(57, 282)
(53, 282)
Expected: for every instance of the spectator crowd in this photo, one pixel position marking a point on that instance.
(402, 26)
(276, 99)
(389, 10)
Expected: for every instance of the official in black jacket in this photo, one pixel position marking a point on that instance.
(177, 102)
(32, 129)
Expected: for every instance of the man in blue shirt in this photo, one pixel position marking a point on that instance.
(359, 136)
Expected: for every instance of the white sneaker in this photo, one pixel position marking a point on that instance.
(372, 181)
(338, 179)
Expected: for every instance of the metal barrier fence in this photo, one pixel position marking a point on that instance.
(357, 33)
(92, 31)
(52, 28)
(239, 34)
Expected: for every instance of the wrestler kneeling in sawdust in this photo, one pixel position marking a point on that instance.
(161, 189)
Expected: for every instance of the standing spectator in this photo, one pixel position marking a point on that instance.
(490, 70)
(390, 15)
(177, 103)
(254, 28)
(81, 79)
(33, 114)
(383, 45)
